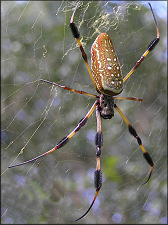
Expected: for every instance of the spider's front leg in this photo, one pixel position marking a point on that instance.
(134, 133)
(98, 172)
(64, 140)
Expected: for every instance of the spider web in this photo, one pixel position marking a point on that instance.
(37, 43)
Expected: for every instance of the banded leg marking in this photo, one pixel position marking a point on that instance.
(64, 141)
(76, 34)
(98, 172)
(134, 133)
(150, 47)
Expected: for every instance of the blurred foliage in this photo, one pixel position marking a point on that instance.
(36, 42)
(110, 170)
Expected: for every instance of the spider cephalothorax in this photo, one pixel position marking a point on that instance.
(106, 106)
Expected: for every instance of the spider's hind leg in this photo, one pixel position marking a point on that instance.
(76, 34)
(150, 47)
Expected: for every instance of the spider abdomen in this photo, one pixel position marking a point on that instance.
(105, 66)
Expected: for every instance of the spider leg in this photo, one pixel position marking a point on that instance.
(69, 89)
(64, 141)
(150, 47)
(76, 34)
(128, 98)
(134, 133)
(98, 172)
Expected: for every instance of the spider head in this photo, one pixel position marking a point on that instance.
(106, 106)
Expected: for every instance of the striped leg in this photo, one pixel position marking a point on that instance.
(150, 47)
(70, 89)
(76, 34)
(98, 172)
(64, 141)
(134, 133)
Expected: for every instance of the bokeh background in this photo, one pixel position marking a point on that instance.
(36, 42)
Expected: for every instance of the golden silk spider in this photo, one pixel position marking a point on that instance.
(106, 76)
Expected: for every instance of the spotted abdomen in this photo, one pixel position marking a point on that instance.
(105, 66)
